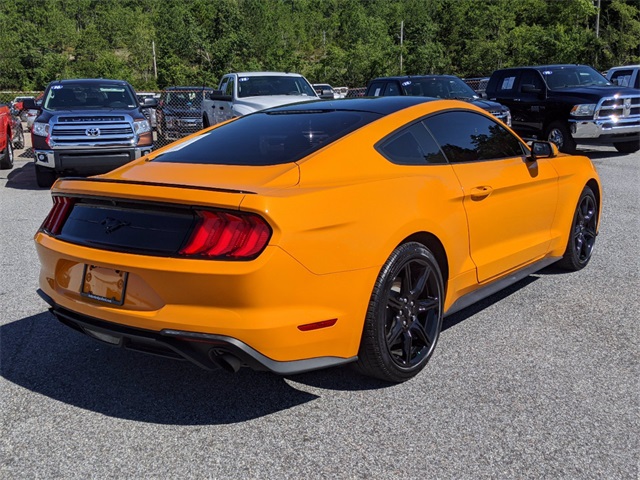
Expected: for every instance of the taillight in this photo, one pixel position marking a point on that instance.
(227, 235)
(58, 215)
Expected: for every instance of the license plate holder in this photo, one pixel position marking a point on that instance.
(104, 284)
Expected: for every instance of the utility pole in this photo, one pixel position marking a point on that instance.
(155, 66)
(598, 21)
(401, 42)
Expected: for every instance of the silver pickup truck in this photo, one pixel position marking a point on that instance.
(247, 92)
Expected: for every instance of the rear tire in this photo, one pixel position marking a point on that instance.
(7, 155)
(404, 317)
(45, 177)
(558, 133)
(582, 236)
(628, 147)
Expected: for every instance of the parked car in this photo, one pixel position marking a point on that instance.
(436, 86)
(6, 134)
(179, 112)
(247, 92)
(87, 127)
(150, 113)
(627, 76)
(569, 104)
(18, 104)
(312, 235)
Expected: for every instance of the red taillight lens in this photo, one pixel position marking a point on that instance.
(58, 215)
(227, 235)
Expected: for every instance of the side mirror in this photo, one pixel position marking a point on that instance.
(218, 95)
(30, 104)
(528, 88)
(326, 93)
(540, 149)
(150, 102)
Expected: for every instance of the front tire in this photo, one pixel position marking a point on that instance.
(628, 147)
(7, 157)
(558, 133)
(45, 177)
(582, 236)
(404, 317)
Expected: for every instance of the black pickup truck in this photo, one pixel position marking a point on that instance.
(569, 104)
(87, 127)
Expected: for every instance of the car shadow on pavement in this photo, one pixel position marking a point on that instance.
(42, 355)
(23, 178)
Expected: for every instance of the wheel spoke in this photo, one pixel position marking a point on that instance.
(394, 333)
(406, 347)
(407, 284)
(422, 282)
(422, 334)
(427, 304)
(394, 302)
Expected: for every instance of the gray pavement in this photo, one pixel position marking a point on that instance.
(538, 381)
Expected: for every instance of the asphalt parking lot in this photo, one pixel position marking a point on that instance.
(538, 381)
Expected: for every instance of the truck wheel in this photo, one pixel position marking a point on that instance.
(6, 161)
(205, 122)
(45, 176)
(558, 133)
(628, 147)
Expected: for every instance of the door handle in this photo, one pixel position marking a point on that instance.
(480, 193)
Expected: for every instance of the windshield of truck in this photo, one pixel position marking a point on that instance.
(89, 96)
(573, 76)
(438, 87)
(274, 85)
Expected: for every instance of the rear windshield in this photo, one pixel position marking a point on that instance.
(90, 96)
(268, 138)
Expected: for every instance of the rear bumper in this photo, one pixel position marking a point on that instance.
(207, 351)
(92, 161)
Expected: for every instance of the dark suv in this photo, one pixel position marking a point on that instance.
(569, 104)
(437, 86)
(179, 112)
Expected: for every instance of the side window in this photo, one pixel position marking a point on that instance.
(375, 90)
(470, 137)
(412, 146)
(229, 88)
(532, 79)
(507, 83)
(223, 84)
(622, 78)
(391, 90)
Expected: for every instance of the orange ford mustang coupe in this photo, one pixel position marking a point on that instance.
(313, 235)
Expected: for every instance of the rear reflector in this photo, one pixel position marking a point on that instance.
(58, 215)
(237, 236)
(317, 325)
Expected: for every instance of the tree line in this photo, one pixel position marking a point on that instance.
(157, 43)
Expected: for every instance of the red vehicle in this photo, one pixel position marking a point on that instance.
(6, 135)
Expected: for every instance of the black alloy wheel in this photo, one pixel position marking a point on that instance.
(404, 317)
(582, 237)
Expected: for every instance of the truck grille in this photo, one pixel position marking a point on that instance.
(92, 130)
(624, 107)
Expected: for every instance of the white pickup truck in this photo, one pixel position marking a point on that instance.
(247, 92)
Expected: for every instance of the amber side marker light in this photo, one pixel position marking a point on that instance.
(233, 236)
(317, 325)
(58, 215)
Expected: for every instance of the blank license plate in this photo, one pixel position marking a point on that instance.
(104, 284)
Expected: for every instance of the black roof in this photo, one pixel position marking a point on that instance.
(379, 105)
